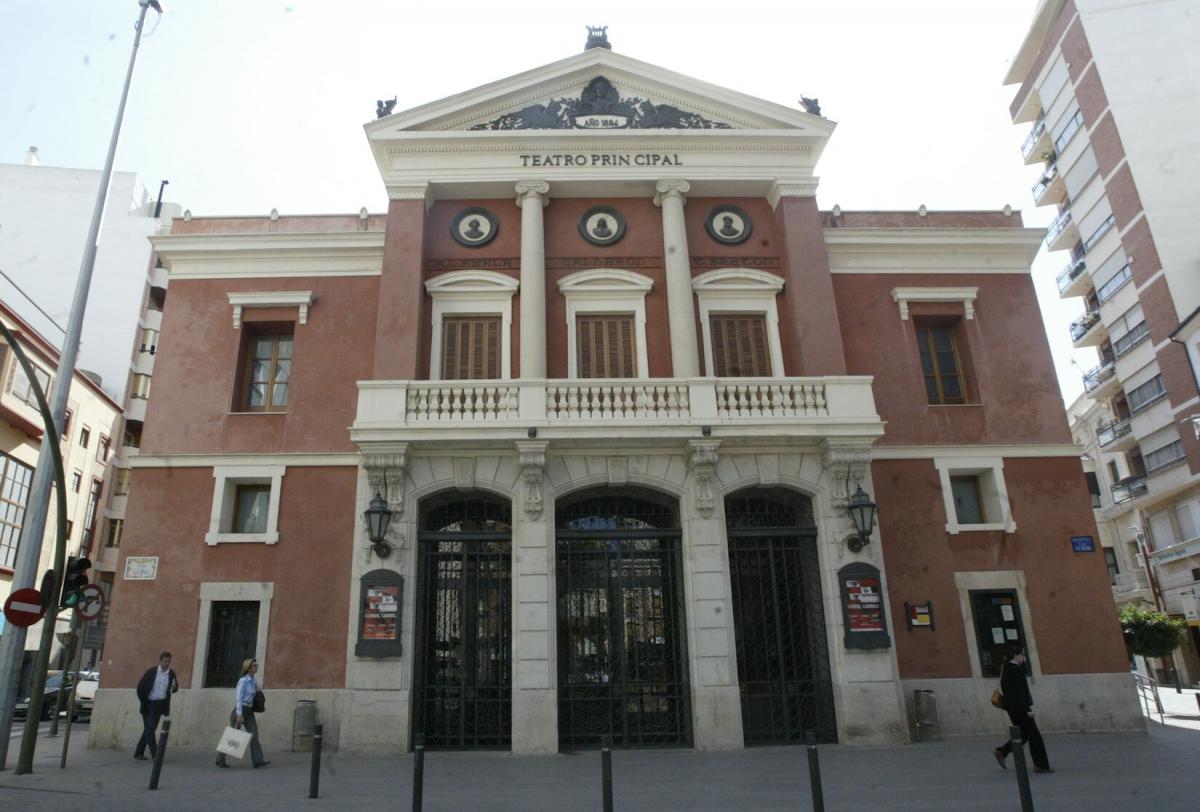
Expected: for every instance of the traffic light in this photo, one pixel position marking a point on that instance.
(74, 580)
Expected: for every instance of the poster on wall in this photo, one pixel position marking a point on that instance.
(863, 612)
(381, 603)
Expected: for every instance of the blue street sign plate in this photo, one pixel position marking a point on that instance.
(1083, 544)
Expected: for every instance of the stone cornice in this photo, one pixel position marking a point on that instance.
(211, 256)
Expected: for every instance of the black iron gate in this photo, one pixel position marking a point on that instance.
(621, 662)
(783, 660)
(463, 690)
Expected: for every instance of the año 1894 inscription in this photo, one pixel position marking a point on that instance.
(599, 159)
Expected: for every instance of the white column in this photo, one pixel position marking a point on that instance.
(531, 197)
(681, 309)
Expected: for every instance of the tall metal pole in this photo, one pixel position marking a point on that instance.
(29, 553)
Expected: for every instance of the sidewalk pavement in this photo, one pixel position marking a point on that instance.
(1156, 771)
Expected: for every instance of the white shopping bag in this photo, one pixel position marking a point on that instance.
(234, 742)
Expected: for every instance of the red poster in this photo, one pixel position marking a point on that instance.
(381, 613)
(864, 605)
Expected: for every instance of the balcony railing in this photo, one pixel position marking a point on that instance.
(1131, 339)
(1048, 177)
(1100, 231)
(1129, 581)
(1129, 488)
(1113, 430)
(1118, 280)
(1081, 325)
(1035, 135)
(1070, 274)
(1058, 226)
(651, 405)
(1098, 375)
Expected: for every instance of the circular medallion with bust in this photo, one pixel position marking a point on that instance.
(474, 227)
(602, 225)
(729, 225)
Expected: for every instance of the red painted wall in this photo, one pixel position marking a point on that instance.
(1073, 618)
(168, 516)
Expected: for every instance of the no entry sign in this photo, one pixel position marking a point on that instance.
(24, 607)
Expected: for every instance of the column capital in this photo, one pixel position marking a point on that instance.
(669, 188)
(533, 188)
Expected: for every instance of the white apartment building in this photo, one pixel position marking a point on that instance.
(1110, 90)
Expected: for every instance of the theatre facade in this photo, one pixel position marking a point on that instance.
(616, 383)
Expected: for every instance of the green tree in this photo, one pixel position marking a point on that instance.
(1149, 633)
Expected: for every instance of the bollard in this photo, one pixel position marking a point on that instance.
(314, 775)
(418, 771)
(159, 754)
(1014, 738)
(606, 771)
(814, 771)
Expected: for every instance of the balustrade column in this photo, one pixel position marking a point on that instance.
(681, 308)
(531, 197)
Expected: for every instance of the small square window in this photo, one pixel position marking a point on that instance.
(103, 448)
(115, 528)
(250, 509)
(76, 481)
(968, 499)
(85, 437)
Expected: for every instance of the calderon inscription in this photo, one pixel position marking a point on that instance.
(602, 159)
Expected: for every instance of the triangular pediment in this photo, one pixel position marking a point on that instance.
(599, 90)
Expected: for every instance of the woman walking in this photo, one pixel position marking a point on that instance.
(243, 713)
(1018, 702)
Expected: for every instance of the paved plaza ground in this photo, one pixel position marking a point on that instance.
(1156, 771)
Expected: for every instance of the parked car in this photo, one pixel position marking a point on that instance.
(54, 682)
(85, 692)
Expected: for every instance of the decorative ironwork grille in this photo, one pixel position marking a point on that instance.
(463, 691)
(779, 622)
(621, 662)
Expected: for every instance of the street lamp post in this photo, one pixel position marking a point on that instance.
(29, 552)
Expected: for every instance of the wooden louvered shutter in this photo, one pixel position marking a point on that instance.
(739, 345)
(470, 348)
(605, 347)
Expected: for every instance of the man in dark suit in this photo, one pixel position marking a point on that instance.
(154, 691)
(1018, 702)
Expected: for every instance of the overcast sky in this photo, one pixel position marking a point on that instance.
(249, 105)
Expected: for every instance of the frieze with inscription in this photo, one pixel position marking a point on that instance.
(600, 107)
(480, 263)
(572, 263)
(735, 262)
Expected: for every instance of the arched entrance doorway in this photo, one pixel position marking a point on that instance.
(622, 667)
(463, 675)
(779, 620)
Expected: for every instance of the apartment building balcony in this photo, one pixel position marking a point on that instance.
(1062, 233)
(1074, 279)
(1128, 586)
(1116, 435)
(1050, 188)
(151, 319)
(1101, 381)
(135, 409)
(1131, 487)
(1037, 143)
(159, 278)
(1114, 284)
(1087, 331)
(775, 411)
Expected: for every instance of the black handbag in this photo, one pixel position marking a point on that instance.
(260, 702)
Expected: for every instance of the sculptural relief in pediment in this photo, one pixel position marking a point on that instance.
(600, 107)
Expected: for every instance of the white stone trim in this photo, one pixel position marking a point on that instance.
(302, 299)
(740, 290)
(992, 488)
(227, 478)
(606, 290)
(968, 582)
(240, 256)
(967, 296)
(471, 293)
(261, 591)
(921, 452)
(214, 460)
